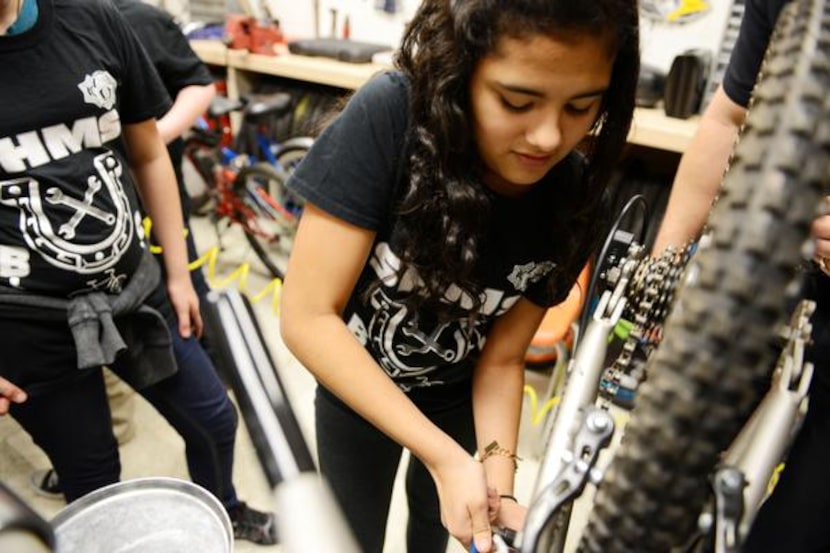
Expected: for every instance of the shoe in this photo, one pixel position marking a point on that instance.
(46, 483)
(252, 525)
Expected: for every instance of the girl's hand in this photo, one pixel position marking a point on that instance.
(820, 231)
(510, 514)
(185, 304)
(463, 494)
(9, 393)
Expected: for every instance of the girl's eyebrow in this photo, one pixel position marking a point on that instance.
(591, 93)
(519, 89)
(532, 92)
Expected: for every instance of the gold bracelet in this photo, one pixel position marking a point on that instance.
(492, 449)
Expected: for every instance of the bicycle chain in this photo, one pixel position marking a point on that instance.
(650, 294)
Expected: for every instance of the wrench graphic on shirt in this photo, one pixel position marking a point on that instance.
(56, 196)
(429, 343)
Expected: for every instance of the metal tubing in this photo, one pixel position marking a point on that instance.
(580, 391)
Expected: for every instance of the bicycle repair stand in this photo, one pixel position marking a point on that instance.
(308, 517)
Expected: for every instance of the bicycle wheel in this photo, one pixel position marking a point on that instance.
(289, 156)
(717, 340)
(269, 227)
(199, 161)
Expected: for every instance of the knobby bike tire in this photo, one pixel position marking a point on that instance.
(263, 228)
(717, 341)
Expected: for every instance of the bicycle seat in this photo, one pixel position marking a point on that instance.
(222, 105)
(261, 109)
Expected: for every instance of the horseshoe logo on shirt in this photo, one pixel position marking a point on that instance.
(62, 248)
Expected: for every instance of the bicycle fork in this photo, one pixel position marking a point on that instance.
(575, 412)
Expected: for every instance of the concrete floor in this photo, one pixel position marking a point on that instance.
(157, 451)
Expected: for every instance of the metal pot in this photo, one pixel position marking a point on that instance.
(147, 515)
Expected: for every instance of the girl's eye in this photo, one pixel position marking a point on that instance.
(579, 109)
(512, 106)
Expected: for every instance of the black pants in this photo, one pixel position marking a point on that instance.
(360, 463)
(796, 517)
(68, 416)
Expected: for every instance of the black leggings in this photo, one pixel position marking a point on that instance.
(360, 463)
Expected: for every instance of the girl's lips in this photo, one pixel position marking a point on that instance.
(534, 159)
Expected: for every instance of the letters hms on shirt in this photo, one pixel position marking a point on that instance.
(35, 148)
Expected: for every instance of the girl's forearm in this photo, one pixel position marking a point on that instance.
(347, 370)
(497, 404)
(160, 197)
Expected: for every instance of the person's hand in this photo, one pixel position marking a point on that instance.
(820, 231)
(465, 502)
(9, 393)
(510, 514)
(185, 304)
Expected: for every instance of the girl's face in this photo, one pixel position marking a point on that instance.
(533, 100)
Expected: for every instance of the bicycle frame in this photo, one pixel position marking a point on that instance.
(249, 192)
(580, 392)
(740, 481)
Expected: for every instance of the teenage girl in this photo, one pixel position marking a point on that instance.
(449, 205)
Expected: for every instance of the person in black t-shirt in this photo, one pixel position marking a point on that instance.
(794, 517)
(78, 288)
(188, 82)
(447, 209)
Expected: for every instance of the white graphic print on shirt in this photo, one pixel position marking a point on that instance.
(51, 217)
(99, 89)
(37, 221)
(411, 350)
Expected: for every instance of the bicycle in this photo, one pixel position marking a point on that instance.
(683, 437)
(246, 189)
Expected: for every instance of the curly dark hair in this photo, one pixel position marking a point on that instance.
(443, 214)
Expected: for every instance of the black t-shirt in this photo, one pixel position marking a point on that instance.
(757, 25)
(69, 215)
(165, 44)
(354, 173)
(175, 61)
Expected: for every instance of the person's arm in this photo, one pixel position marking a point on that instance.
(9, 393)
(191, 102)
(156, 183)
(498, 390)
(700, 172)
(327, 258)
(820, 231)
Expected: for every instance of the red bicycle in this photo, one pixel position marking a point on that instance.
(238, 188)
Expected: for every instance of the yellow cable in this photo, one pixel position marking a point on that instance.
(549, 404)
(533, 398)
(238, 276)
(537, 415)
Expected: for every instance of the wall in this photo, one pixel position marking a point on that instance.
(368, 22)
(661, 41)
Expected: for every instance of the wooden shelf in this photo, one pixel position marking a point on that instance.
(650, 128)
(306, 68)
(212, 52)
